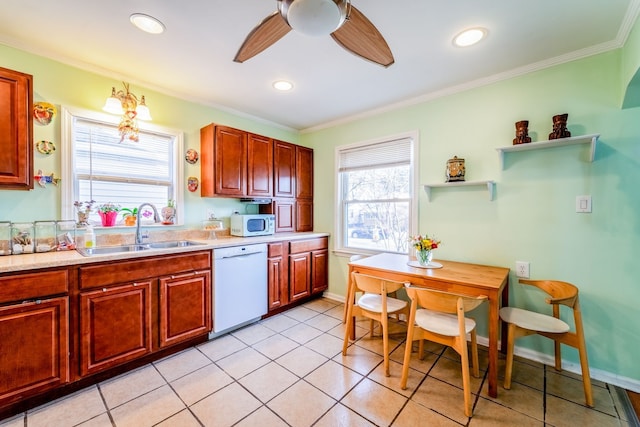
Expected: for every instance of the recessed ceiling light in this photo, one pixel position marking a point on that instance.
(147, 23)
(469, 37)
(283, 85)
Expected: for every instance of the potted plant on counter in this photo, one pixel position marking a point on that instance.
(108, 213)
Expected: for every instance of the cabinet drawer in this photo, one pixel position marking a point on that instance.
(275, 249)
(21, 287)
(128, 271)
(308, 245)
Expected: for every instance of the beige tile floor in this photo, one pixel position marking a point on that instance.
(288, 370)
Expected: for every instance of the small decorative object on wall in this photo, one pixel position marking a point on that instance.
(43, 112)
(522, 133)
(83, 210)
(560, 127)
(169, 212)
(108, 213)
(45, 147)
(192, 156)
(455, 169)
(192, 183)
(43, 180)
(424, 247)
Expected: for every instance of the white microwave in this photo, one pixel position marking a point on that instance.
(253, 225)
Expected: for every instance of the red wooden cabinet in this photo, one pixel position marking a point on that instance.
(259, 166)
(284, 164)
(185, 307)
(277, 274)
(16, 130)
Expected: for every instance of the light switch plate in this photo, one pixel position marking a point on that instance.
(583, 204)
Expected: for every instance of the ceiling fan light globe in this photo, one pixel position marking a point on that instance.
(316, 17)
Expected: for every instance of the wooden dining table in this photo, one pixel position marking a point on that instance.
(456, 277)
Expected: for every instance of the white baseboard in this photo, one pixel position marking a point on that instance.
(597, 374)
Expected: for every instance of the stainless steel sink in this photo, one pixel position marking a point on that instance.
(105, 250)
(173, 244)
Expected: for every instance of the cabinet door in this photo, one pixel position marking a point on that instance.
(115, 326)
(185, 307)
(16, 130)
(230, 161)
(259, 166)
(319, 272)
(304, 172)
(304, 215)
(34, 348)
(284, 173)
(277, 276)
(299, 276)
(284, 210)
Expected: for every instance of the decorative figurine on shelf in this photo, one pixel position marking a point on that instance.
(522, 133)
(560, 127)
(455, 169)
(83, 210)
(169, 213)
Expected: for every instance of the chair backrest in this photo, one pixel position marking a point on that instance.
(560, 292)
(444, 302)
(374, 285)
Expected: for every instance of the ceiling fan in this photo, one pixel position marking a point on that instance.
(346, 24)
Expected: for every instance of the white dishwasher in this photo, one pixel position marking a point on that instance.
(239, 286)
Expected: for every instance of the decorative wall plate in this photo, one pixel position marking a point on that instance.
(192, 156)
(43, 112)
(192, 183)
(45, 147)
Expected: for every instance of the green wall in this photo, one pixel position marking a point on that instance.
(63, 85)
(533, 215)
(631, 69)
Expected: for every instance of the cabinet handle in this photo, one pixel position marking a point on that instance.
(135, 284)
(104, 289)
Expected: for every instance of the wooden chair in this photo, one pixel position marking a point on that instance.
(375, 305)
(346, 302)
(524, 322)
(442, 320)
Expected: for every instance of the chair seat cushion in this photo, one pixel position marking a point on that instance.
(533, 321)
(373, 302)
(442, 323)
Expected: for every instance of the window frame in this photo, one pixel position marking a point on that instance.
(68, 159)
(341, 222)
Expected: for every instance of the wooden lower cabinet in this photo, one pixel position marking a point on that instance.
(34, 348)
(297, 271)
(185, 307)
(115, 326)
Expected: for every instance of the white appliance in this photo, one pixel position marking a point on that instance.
(252, 224)
(239, 287)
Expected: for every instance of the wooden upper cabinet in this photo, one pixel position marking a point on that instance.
(259, 166)
(224, 161)
(304, 172)
(284, 164)
(16, 130)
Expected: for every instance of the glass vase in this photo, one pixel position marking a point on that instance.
(424, 256)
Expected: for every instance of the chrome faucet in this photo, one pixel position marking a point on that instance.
(156, 219)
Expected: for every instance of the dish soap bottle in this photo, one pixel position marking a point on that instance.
(89, 237)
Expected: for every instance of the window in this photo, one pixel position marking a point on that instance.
(101, 168)
(377, 209)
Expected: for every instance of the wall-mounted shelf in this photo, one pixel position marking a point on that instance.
(488, 184)
(584, 139)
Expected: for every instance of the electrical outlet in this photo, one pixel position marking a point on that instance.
(522, 269)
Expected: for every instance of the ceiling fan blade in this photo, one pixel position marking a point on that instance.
(269, 31)
(359, 36)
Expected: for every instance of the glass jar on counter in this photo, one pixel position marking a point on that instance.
(45, 235)
(65, 235)
(22, 238)
(5, 238)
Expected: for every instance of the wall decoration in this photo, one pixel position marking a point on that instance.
(43, 112)
(192, 183)
(560, 127)
(192, 156)
(455, 169)
(522, 133)
(45, 147)
(43, 180)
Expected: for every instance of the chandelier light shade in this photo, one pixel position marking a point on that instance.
(125, 103)
(315, 17)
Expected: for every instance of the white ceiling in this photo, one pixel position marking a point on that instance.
(193, 59)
